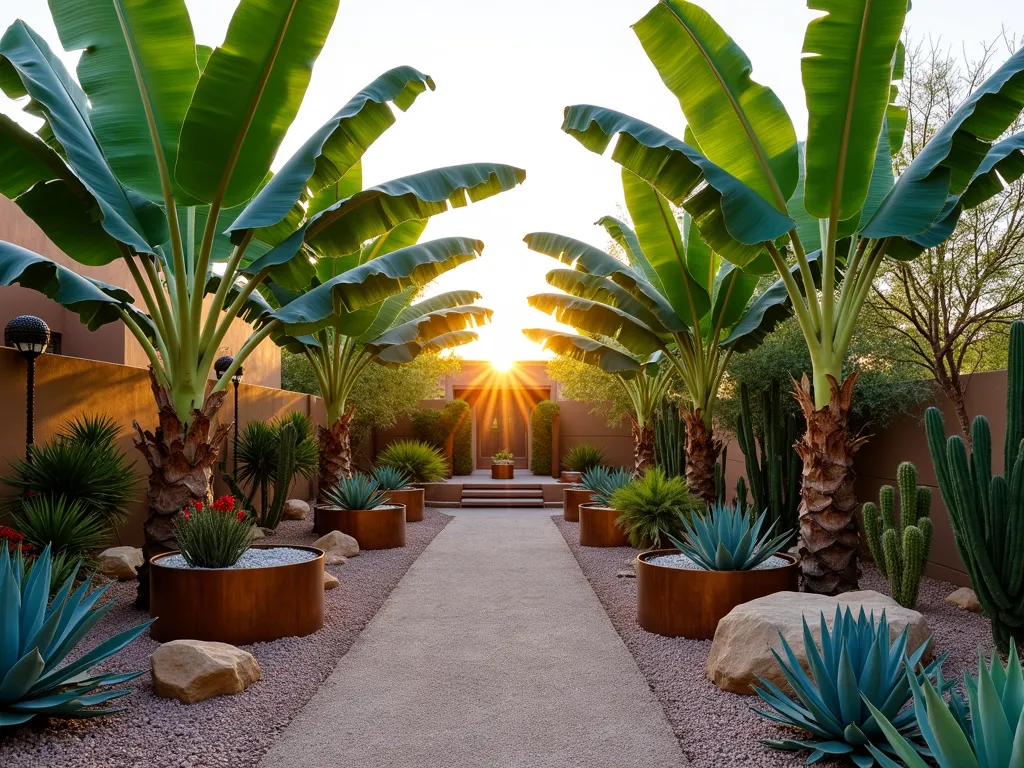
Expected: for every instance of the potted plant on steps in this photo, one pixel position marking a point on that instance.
(218, 586)
(724, 561)
(356, 506)
(503, 465)
(580, 459)
(395, 484)
(598, 518)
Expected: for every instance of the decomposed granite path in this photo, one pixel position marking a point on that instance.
(493, 652)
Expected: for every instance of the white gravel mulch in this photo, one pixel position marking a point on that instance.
(686, 563)
(251, 558)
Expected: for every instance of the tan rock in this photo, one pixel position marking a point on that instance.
(257, 533)
(339, 543)
(333, 558)
(741, 650)
(120, 562)
(330, 581)
(194, 670)
(966, 599)
(295, 509)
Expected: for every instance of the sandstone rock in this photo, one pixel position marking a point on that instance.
(257, 533)
(966, 599)
(333, 558)
(120, 562)
(339, 543)
(741, 650)
(330, 581)
(194, 670)
(295, 509)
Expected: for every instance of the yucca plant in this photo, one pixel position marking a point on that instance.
(854, 665)
(271, 455)
(652, 506)
(422, 462)
(726, 538)
(39, 634)
(65, 525)
(583, 457)
(390, 478)
(356, 492)
(603, 482)
(213, 536)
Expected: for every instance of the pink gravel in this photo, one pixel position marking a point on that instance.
(716, 728)
(228, 731)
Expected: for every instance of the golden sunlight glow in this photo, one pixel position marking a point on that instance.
(502, 363)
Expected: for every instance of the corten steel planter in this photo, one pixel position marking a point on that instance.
(412, 499)
(571, 500)
(380, 528)
(598, 528)
(679, 603)
(237, 606)
(568, 476)
(502, 471)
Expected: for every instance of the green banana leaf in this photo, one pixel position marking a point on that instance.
(599, 319)
(605, 291)
(445, 300)
(401, 354)
(627, 239)
(896, 115)
(405, 234)
(433, 324)
(733, 289)
(584, 349)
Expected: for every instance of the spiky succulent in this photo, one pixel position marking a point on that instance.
(37, 634)
(391, 478)
(603, 482)
(653, 506)
(583, 457)
(356, 492)
(423, 462)
(725, 538)
(855, 667)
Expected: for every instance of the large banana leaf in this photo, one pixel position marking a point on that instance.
(445, 300)
(733, 289)
(847, 72)
(433, 324)
(605, 291)
(139, 69)
(390, 310)
(584, 349)
(400, 354)
(732, 218)
(740, 125)
(405, 234)
(248, 95)
(599, 319)
(333, 150)
(627, 239)
(895, 114)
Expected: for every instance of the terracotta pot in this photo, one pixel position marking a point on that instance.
(679, 603)
(237, 606)
(502, 471)
(598, 528)
(380, 528)
(569, 476)
(571, 500)
(411, 499)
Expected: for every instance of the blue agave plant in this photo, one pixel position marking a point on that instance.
(725, 539)
(603, 482)
(36, 635)
(856, 669)
(356, 492)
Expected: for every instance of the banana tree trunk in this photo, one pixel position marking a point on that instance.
(828, 505)
(702, 450)
(643, 447)
(335, 452)
(181, 458)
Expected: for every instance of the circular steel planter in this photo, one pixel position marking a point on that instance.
(598, 528)
(679, 603)
(502, 471)
(380, 528)
(571, 500)
(238, 606)
(411, 499)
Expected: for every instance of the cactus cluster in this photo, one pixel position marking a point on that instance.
(986, 511)
(670, 441)
(900, 545)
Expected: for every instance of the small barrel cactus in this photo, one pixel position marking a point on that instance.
(900, 546)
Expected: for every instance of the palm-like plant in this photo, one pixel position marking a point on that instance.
(158, 156)
(758, 197)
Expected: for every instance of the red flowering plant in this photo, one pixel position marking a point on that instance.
(12, 539)
(215, 535)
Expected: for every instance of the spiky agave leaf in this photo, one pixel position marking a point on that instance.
(726, 538)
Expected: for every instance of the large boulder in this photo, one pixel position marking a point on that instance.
(338, 543)
(195, 670)
(741, 650)
(295, 509)
(120, 562)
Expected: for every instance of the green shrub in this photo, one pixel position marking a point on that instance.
(429, 427)
(390, 478)
(423, 463)
(64, 525)
(266, 450)
(503, 455)
(213, 536)
(653, 506)
(356, 492)
(460, 416)
(541, 449)
(603, 482)
(583, 457)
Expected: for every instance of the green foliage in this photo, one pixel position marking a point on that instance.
(40, 634)
(900, 545)
(435, 425)
(423, 463)
(583, 457)
(541, 449)
(670, 440)
(62, 524)
(213, 536)
(428, 426)
(503, 456)
(854, 665)
(986, 511)
(603, 482)
(390, 478)
(586, 383)
(727, 538)
(285, 449)
(652, 506)
(356, 492)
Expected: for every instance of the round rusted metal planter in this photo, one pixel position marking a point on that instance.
(502, 471)
(411, 499)
(679, 603)
(568, 476)
(598, 528)
(380, 528)
(238, 606)
(571, 500)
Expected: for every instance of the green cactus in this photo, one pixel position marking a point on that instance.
(670, 440)
(986, 511)
(285, 469)
(900, 546)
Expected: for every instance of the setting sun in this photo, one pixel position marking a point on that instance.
(502, 363)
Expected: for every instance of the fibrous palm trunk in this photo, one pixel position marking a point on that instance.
(702, 450)
(180, 458)
(828, 505)
(643, 447)
(335, 452)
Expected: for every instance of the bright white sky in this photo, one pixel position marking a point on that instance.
(504, 73)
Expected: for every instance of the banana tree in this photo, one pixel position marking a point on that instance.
(158, 157)
(674, 297)
(645, 383)
(754, 192)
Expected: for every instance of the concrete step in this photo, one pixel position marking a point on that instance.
(502, 487)
(502, 502)
(501, 493)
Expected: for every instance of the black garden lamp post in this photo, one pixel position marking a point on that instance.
(219, 367)
(30, 336)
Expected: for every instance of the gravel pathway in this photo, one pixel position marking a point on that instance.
(716, 728)
(229, 731)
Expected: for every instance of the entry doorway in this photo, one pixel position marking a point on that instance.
(501, 421)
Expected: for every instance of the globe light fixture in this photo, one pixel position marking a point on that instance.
(30, 336)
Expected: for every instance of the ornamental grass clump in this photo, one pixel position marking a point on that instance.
(725, 538)
(356, 492)
(603, 482)
(653, 506)
(583, 457)
(422, 462)
(391, 478)
(214, 536)
(503, 456)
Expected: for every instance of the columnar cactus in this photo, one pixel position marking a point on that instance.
(670, 440)
(986, 511)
